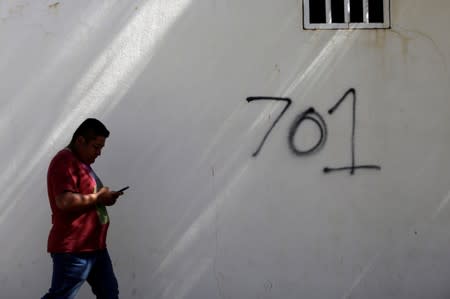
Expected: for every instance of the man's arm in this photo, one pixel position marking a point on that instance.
(70, 201)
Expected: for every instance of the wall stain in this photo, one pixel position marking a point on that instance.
(17, 10)
(405, 40)
(380, 38)
(220, 277)
(277, 68)
(408, 35)
(54, 5)
(377, 39)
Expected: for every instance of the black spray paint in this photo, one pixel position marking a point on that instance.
(315, 117)
(312, 115)
(288, 103)
(353, 166)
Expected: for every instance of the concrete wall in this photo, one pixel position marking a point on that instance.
(203, 217)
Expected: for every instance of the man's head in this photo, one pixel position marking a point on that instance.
(88, 140)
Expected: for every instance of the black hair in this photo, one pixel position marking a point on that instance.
(90, 129)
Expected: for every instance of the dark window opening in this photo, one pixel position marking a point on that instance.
(356, 11)
(337, 11)
(346, 14)
(376, 11)
(317, 11)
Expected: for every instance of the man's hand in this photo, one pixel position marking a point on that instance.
(107, 197)
(69, 201)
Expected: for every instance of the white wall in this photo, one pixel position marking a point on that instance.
(203, 218)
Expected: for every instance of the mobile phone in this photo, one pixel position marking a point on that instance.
(123, 189)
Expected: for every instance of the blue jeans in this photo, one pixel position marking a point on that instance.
(70, 270)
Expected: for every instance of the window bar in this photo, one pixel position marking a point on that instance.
(366, 11)
(328, 11)
(387, 11)
(347, 11)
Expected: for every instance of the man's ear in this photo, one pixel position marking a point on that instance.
(81, 140)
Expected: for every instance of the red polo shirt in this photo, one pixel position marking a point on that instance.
(79, 231)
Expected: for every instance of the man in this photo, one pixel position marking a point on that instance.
(77, 239)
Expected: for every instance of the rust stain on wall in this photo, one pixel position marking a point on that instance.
(405, 39)
(380, 38)
(375, 38)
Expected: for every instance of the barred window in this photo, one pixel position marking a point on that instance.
(346, 14)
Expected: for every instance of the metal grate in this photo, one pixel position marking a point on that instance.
(346, 14)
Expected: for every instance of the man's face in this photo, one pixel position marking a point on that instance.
(90, 150)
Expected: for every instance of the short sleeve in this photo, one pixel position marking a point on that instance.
(62, 175)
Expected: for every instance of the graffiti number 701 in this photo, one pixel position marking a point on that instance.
(312, 115)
